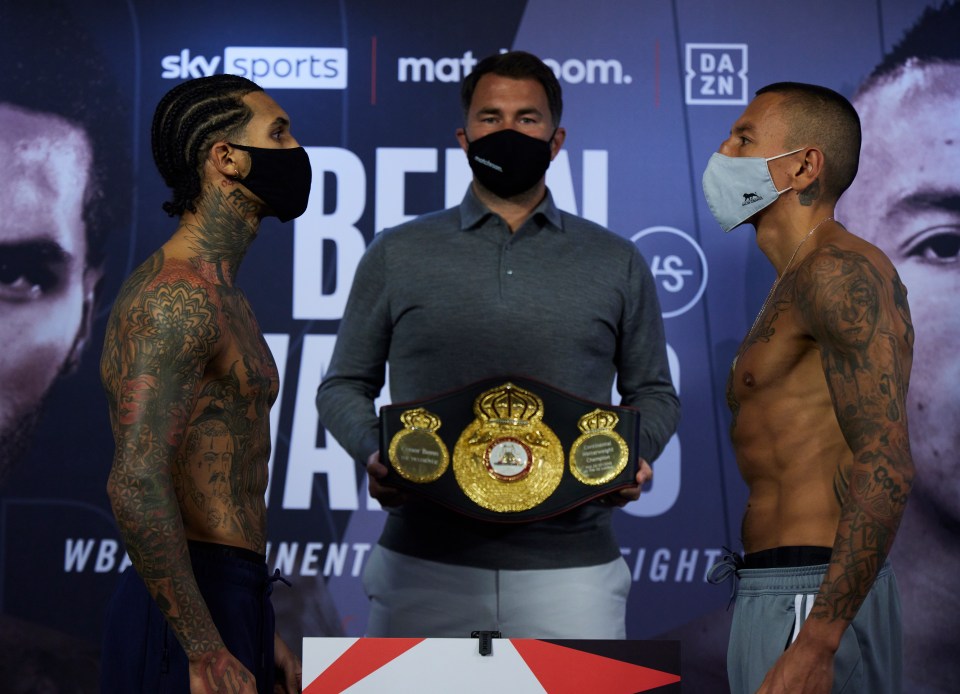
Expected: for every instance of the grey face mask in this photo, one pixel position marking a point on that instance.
(736, 188)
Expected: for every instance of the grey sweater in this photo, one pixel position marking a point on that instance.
(453, 297)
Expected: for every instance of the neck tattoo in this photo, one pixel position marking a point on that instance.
(776, 283)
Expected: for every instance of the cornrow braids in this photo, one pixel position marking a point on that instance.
(189, 118)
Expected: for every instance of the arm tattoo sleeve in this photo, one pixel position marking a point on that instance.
(162, 333)
(861, 322)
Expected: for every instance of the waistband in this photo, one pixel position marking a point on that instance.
(790, 580)
(213, 549)
(217, 564)
(785, 557)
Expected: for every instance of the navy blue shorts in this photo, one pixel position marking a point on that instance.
(141, 652)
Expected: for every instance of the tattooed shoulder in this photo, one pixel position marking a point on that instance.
(840, 294)
(112, 355)
(167, 314)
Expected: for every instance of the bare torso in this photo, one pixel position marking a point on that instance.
(788, 442)
(202, 415)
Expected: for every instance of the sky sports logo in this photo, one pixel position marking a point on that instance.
(271, 67)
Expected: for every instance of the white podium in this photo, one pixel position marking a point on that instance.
(515, 666)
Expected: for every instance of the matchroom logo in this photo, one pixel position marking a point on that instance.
(716, 74)
(568, 70)
(272, 67)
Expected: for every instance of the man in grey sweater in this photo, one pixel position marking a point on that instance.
(505, 283)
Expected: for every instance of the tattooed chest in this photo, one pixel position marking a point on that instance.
(246, 352)
(783, 366)
(773, 364)
(241, 385)
(227, 443)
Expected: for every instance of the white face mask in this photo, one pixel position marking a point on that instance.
(736, 188)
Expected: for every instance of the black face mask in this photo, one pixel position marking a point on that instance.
(279, 177)
(508, 162)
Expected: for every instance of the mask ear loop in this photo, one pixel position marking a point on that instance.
(785, 154)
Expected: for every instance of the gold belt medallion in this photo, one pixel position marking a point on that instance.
(508, 459)
(600, 453)
(417, 452)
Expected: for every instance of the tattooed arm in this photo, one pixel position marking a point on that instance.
(857, 312)
(163, 333)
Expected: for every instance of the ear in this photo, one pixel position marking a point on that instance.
(91, 283)
(226, 160)
(808, 170)
(462, 138)
(557, 142)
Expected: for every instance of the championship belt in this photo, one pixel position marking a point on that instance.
(509, 449)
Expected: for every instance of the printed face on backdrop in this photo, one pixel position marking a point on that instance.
(46, 290)
(906, 200)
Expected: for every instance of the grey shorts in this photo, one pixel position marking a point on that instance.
(415, 597)
(771, 605)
